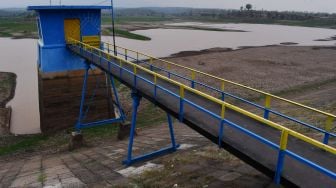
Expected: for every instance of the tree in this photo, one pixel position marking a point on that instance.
(241, 8)
(248, 6)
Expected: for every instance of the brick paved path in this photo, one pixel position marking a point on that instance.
(91, 167)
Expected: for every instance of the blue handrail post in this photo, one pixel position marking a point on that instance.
(281, 156)
(279, 167)
(267, 106)
(193, 84)
(221, 133)
(326, 138)
(155, 88)
(120, 70)
(79, 122)
(181, 111)
(266, 113)
(223, 96)
(181, 116)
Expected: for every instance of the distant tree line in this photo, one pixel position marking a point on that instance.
(218, 14)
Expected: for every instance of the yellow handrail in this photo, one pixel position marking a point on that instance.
(224, 105)
(231, 82)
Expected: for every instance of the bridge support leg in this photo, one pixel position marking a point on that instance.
(136, 97)
(116, 97)
(77, 137)
(80, 125)
(171, 131)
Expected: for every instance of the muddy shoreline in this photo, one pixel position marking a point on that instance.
(7, 87)
(182, 54)
(7, 93)
(163, 25)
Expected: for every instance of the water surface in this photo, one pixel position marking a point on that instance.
(20, 56)
(169, 41)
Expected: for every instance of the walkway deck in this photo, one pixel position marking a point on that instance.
(250, 150)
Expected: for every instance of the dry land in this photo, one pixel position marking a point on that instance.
(7, 91)
(303, 74)
(7, 87)
(273, 68)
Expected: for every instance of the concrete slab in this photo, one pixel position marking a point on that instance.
(131, 171)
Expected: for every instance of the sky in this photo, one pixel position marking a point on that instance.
(281, 5)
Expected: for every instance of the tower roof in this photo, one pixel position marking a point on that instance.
(67, 7)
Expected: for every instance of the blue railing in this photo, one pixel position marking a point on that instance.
(281, 148)
(267, 111)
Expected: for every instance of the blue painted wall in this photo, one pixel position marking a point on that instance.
(53, 54)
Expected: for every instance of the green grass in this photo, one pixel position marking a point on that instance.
(320, 23)
(24, 144)
(11, 25)
(129, 35)
(126, 34)
(7, 80)
(42, 178)
(207, 29)
(5, 34)
(176, 169)
(101, 132)
(125, 20)
(149, 116)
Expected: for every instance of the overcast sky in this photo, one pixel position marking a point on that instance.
(299, 5)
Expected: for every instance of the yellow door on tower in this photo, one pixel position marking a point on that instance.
(72, 29)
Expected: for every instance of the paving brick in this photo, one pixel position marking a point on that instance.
(99, 169)
(81, 172)
(24, 181)
(72, 183)
(98, 166)
(11, 174)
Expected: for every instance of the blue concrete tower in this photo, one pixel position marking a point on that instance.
(58, 23)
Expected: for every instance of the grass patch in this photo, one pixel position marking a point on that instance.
(7, 80)
(208, 29)
(148, 116)
(42, 178)
(126, 34)
(151, 115)
(107, 20)
(184, 169)
(24, 144)
(320, 23)
(100, 132)
(129, 35)
(11, 25)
